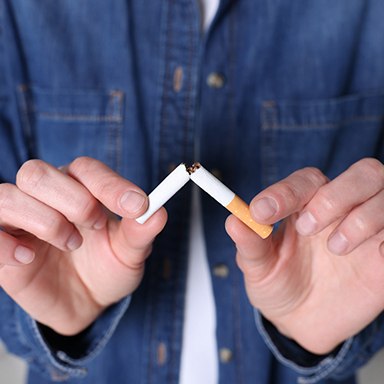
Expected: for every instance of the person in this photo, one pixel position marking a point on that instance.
(283, 101)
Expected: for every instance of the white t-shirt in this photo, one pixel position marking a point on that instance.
(208, 11)
(199, 348)
(199, 362)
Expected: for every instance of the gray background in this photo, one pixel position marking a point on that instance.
(13, 370)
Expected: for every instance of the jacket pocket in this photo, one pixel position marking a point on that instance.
(328, 134)
(62, 125)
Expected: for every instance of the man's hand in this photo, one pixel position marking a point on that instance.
(320, 277)
(63, 257)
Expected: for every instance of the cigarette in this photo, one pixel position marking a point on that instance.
(214, 187)
(164, 191)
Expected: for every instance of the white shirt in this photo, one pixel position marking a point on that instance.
(208, 11)
(199, 362)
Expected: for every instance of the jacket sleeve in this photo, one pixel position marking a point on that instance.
(54, 356)
(339, 364)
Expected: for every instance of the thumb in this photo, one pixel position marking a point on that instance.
(256, 257)
(132, 242)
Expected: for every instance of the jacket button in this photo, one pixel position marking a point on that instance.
(167, 268)
(161, 354)
(178, 79)
(221, 270)
(215, 80)
(225, 355)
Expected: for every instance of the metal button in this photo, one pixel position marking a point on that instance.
(221, 270)
(215, 80)
(161, 354)
(178, 75)
(167, 268)
(225, 355)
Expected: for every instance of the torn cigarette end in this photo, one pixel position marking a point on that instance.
(221, 193)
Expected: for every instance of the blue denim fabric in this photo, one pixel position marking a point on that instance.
(302, 85)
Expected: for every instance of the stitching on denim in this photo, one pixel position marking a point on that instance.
(238, 365)
(114, 103)
(79, 372)
(116, 98)
(2, 45)
(165, 92)
(16, 329)
(113, 151)
(188, 94)
(78, 118)
(303, 126)
(25, 106)
(325, 370)
(165, 76)
(187, 125)
(320, 371)
(268, 159)
(99, 344)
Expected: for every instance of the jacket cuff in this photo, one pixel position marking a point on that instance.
(62, 357)
(338, 364)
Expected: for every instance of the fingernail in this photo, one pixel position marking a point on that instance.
(264, 208)
(306, 224)
(338, 244)
(24, 255)
(132, 202)
(100, 223)
(74, 241)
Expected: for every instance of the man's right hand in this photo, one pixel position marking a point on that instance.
(63, 257)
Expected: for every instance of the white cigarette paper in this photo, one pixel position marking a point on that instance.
(164, 191)
(214, 187)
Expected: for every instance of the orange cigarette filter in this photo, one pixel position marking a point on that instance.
(238, 207)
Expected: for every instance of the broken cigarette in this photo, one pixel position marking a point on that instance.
(214, 187)
(210, 184)
(164, 191)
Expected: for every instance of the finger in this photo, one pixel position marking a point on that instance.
(21, 211)
(13, 252)
(132, 242)
(360, 224)
(287, 196)
(255, 256)
(336, 199)
(61, 192)
(116, 193)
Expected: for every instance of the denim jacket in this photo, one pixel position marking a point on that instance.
(271, 87)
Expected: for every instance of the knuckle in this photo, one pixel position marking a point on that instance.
(372, 168)
(360, 223)
(106, 186)
(5, 197)
(326, 199)
(289, 194)
(365, 224)
(51, 227)
(81, 164)
(315, 176)
(30, 174)
(84, 209)
(299, 188)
